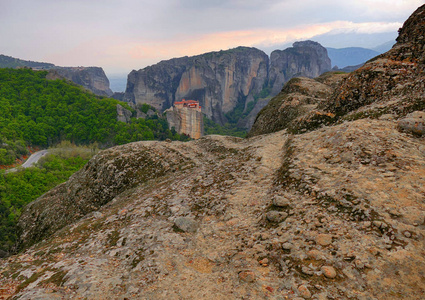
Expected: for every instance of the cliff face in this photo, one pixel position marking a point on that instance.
(223, 80)
(218, 80)
(123, 115)
(92, 78)
(186, 121)
(297, 98)
(308, 59)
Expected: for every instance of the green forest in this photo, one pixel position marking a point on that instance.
(40, 112)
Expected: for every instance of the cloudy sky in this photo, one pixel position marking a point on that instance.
(121, 35)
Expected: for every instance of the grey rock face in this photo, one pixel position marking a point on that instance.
(113, 170)
(223, 80)
(123, 114)
(299, 97)
(92, 78)
(186, 121)
(218, 80)
(307, 59)
(354, 231)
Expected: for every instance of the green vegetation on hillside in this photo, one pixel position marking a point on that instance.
(20, 188)
(36, 111)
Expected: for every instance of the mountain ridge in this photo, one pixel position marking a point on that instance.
(224, 80)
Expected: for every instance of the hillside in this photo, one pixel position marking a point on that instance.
(328, 207)
(41, 112)
(92, 78)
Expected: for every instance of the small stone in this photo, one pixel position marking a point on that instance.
(287, 246)
(407, 234)
(307, 270)
(359, 264)
(328, 271)
(247, 276)
(264, 261)
(304, 292)
(281, 201)
(366, 224)
(186, 224)
(276, 216)
(377, 223)
(324, 239)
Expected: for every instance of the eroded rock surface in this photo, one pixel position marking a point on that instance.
(334, 213)
(218, 80)
(298, 97)
(304, 59)
(91, 78)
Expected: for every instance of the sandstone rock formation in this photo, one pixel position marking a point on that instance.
(123, 115)
(337, 212)
(91, 78)
(218, 80)
(308, 59)
(224, 80)
(186, 121)
(349, 225)
(299, 96)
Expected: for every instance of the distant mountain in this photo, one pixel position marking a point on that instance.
(350, 56)
(11, 62)
(384, 47)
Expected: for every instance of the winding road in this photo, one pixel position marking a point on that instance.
(33, 159)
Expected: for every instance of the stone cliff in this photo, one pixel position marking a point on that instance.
(312, 211)
(218, 80)
(186, 121)
(91, 78)
(223, 80)
(308, 59)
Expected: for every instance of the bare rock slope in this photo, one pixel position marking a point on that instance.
(334, 213)
(337, 213)
(92, 78)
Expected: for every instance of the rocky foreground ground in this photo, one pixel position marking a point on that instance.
(307, 212)
(337, 213)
